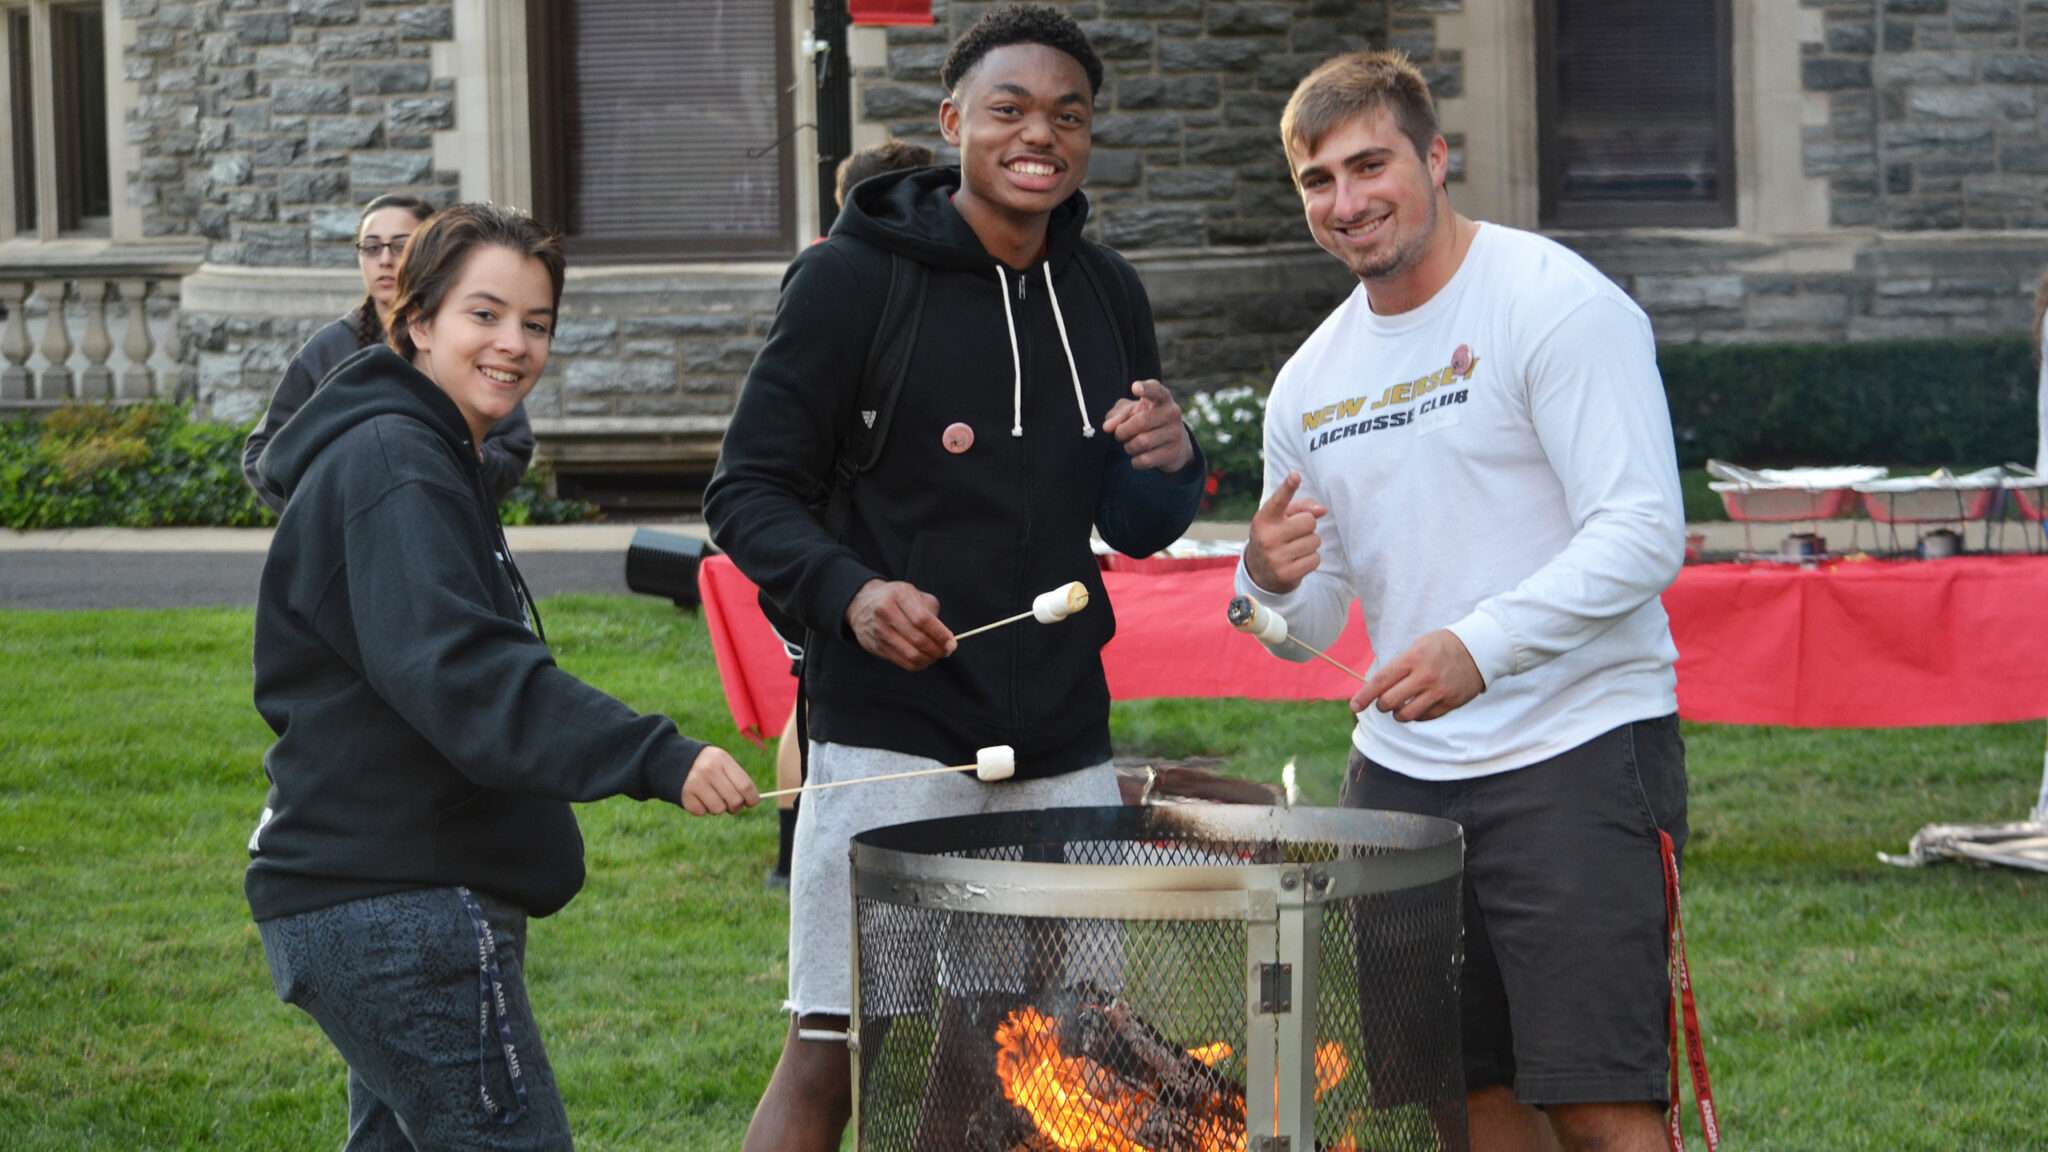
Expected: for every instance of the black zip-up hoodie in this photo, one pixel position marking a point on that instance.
(424, 735)
(1031, 362)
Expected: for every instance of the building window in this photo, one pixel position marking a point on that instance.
(54, 71)
(661, 127)
(1636, 113)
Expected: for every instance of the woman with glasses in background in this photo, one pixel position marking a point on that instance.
(386, 224)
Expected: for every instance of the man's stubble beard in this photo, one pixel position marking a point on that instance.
(1407, 255)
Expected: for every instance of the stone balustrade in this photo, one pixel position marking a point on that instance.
(95, 329)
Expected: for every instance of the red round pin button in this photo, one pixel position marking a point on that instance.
(958, 438)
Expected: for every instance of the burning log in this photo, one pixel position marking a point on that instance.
(1091, 1075)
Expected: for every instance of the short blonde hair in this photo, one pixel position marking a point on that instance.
(1343, 88)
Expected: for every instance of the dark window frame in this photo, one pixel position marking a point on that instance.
(76, 37)
(550, 56)
(21, 99)
(1555, 212)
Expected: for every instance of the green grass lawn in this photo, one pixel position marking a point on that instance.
(1848, 1005)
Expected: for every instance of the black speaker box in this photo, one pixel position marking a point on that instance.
(665, 564)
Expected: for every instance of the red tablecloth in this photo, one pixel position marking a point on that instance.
(1854, 645)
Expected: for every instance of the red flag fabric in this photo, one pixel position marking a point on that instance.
(888, 13)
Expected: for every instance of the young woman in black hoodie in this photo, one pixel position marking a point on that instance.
(428, 748)
(381, 232)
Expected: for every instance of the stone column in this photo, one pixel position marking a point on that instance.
(97, 381)
(14, 345)
(137, 381)
(56, 345)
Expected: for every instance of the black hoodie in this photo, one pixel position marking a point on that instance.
(1032, 372)
(424, 735)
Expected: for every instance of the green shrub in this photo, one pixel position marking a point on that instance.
(1229, 424)
(134, 466)
(1963, 403)
(1946, 401)
(154, 466)
(530, 503)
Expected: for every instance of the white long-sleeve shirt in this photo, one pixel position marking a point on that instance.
(1499, 462)
(2041, 448)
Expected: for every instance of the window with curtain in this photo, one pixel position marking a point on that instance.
(70, 85)
(1635, 113)
(662, 128)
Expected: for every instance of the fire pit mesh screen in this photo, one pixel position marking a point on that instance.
(1125, 979)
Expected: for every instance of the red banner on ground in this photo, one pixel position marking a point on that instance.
(1852, 645)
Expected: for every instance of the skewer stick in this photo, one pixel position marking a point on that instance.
(997, 762)
(1248, 615)
(1047, 608)
(989, 627)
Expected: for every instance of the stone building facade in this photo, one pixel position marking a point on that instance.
(1889, 179)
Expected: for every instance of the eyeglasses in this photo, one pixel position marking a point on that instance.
(373, 249)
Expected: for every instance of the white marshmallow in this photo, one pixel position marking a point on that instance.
(998, 762)
(1060, 603)
(1248, 615)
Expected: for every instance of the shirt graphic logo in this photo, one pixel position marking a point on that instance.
(1398, 398)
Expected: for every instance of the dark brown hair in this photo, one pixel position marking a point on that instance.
(368, 325)
(888, 156)
(1346, 87)
(442, 247)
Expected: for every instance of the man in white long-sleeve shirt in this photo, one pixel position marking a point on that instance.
(1476, 447)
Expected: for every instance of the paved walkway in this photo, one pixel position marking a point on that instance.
(191, 567)
(200, 567)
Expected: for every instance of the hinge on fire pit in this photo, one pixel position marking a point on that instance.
(1276, 989)
(1271, 1144)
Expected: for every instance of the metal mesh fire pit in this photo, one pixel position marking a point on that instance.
(1187, 979)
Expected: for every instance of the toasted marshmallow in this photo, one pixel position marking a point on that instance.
(1060, 603)
(1248, 615)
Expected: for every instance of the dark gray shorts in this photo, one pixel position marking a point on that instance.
(393, 982)
(1566, 990)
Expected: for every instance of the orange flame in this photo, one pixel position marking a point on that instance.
(1331, 1066)
(1054, 1089)
(1078, 1106)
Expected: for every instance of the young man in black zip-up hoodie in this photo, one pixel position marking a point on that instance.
(1030, 413)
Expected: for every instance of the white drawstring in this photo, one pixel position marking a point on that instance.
(1080, 401)
(1016, 358)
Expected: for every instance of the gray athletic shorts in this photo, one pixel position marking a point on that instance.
(1565, 994)
(820, 889)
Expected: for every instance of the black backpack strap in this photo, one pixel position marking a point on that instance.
(881, 382)
(1102, 275)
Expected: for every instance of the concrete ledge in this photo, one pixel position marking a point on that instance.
(270, 293)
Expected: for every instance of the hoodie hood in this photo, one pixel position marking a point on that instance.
(374, 382)
(912, 213)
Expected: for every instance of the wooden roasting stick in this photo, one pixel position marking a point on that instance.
(1248, 615)
(998, 762)
(1046, 608)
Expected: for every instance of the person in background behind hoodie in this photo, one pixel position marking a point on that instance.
(888, 156)
(428, 748)
(381, 233)
(1029, 415)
